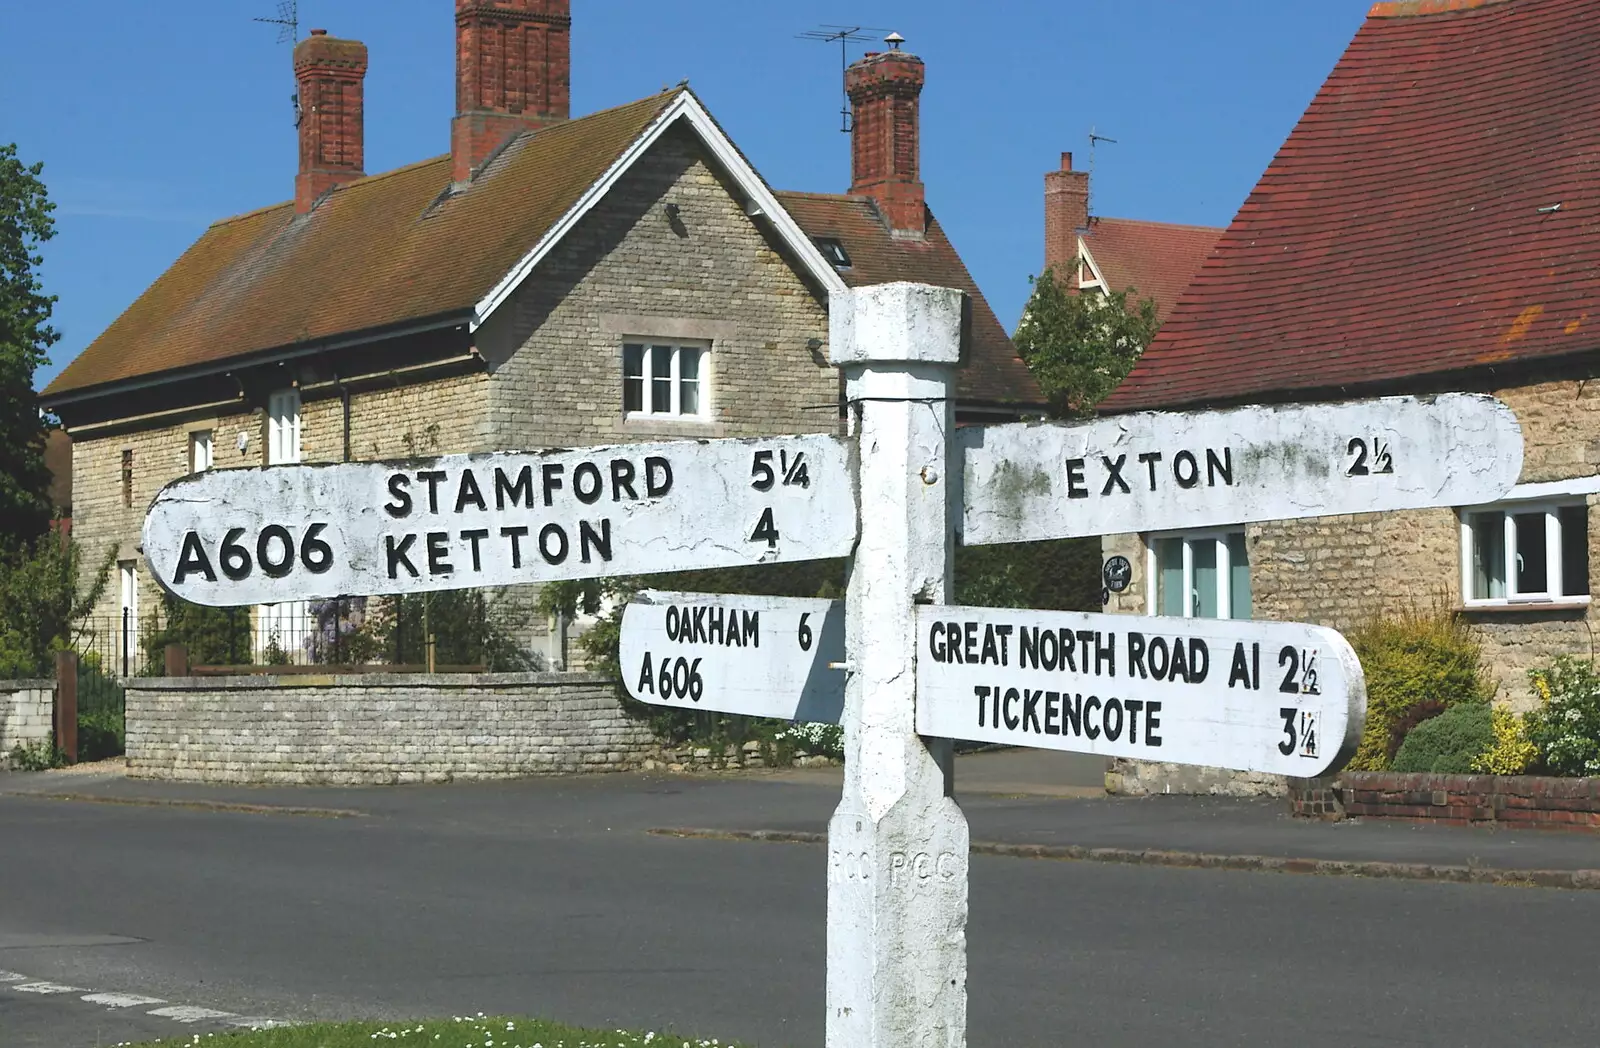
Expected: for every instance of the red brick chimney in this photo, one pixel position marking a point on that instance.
(1066, 212)
(513, 73)
(328, 73)
(886, 144)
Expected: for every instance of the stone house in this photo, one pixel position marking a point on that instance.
(1089, 253)
(551, 281)
(1429, 225)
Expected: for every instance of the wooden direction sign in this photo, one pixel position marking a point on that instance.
(762, 656)
(1277, 697)
(1168, 471)
(261, 536)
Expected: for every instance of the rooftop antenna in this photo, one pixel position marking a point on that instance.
(1094, 140)
(843, 35)
(288, 23)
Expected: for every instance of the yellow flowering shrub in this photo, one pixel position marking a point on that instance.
(1512, 753)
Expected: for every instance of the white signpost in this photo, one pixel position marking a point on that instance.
(261, 536)
(1272, 697)
(1276, 697)
(775, 657)
(1171, 471)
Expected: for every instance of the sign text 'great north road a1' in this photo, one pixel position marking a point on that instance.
(1276, 697)
(775, 657)
(262, 536)
(1169, 471)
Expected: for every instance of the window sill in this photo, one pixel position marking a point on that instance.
(1568, 604)
(646, 419)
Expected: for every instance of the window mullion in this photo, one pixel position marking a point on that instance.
(1188, 579)
(1224, 578)
(1509, 531)
(1552, 554)
(674, 394)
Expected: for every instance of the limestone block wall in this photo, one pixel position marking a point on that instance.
(378, 728)
(26, 714)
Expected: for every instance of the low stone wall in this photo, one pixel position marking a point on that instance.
(1130, 778)
(1503, 800)
(27, 709)
(379, 728)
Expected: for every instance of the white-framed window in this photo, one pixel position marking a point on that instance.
(665, 379)
(1202, 575)
(1525, 552)
(283, 427)
(200, 451)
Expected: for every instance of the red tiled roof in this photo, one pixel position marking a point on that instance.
(1408, 226)
(993, 374)
(1157, 258)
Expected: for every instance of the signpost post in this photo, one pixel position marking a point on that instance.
(1259, 696)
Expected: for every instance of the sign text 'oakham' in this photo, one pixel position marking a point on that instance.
(235, 537)
(1277, 697)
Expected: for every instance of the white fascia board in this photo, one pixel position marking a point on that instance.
(1548, 489)
(1094, 267)
(759, 200)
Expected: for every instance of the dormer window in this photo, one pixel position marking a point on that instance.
(833, 250)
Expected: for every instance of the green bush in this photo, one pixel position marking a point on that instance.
(1449, 743)
(214, 636)
(1417, 665)
(37, 756)
(1566, 726)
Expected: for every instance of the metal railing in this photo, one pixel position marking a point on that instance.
(442, 634)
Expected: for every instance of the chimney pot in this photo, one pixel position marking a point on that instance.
(1066, 213)
(329, 75)
(885, 89)
(513, 74)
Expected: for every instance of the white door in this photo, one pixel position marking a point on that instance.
(128, 620)
(282, 629)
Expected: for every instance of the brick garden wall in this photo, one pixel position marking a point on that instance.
(1512, 800)
(26, 714)
(379, 728)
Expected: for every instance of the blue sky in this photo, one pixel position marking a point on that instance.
(155, 119)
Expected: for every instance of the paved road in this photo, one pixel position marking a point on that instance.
(547, 897)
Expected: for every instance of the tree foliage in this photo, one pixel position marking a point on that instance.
(42, 605)
(25, 335)
(1080, 346)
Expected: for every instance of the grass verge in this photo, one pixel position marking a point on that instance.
(479, 1032)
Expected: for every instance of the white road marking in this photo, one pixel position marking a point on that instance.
(182, 1013)
(188, 1013)
(47, 988)
(122, 1000)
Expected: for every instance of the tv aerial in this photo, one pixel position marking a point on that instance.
(844, 35)
(288, 23)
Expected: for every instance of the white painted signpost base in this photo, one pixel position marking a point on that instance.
(897, 844)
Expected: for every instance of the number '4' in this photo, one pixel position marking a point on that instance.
(766, 531)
